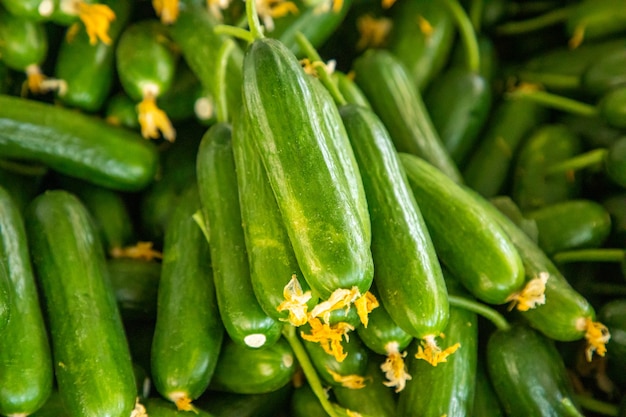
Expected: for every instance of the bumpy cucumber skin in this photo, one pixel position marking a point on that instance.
(93, 366)
(408, 276)
(314, 191)
(560, 317)
(253, 371)
(386, 84)
(26, 375)
(77, 145)
(469, 243)
(89, 70)
(239, 309)
(271, 257)
(382, 330)
(23, 42)
(144, 55)
(188, 332)
(527, 372)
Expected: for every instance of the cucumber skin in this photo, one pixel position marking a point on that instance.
(23, 42)
(313, 190)
(184, 356)
(491, 269)
(77, 145)
(408, 276)
(92, 361)
(5, 297)
(239, 309)
(26, 375)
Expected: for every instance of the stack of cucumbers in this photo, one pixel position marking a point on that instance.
(303, 208)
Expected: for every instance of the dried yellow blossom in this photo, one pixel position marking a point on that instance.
(142, 250)
(431, 353)
(329, 337)
(364, 305)
(139, 410)
(351, 413)
(152, 120)
(373, 31)
(395, 368)
(348, 381)
(295, 302)
(311, 67)
(597, 335)
(270, 9)
(97, 19)
(425, 27)
(217, 6)
(532, 295)
(38, 83)
(577, 37)
(167, 10)
(340, 298)
(387, 3)
(182, 402)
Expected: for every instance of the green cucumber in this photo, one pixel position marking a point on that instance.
(304, 403)
(184, 356)
(490, 268)
(121, 110)
(228, 404)
(92, 361)
(297, 138)
(5, 297)
(532, 186)
(528, 374)
(604, 73)
(23, 42)
(158, 407)
(448, 388)
(136, 284)
(31, 9)
(89, 70)
(613, 314)
(253, 371)
(22, 181)
(272, 259)
(349, 90)
(401, 244)
(77, 145)
(486, 401)
(245, 321)
(595, 19)
(386, 83)
(572, 224)
(26, 375)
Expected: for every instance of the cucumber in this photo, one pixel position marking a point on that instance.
(613, 314)
(26, 375)
(22, 181)
(92, 361)
(244, 320)
(184, 356)
(304, 403)
(77, 145)
(253, 371)
(5, 297)
(297, 140)
(490, 268)
(158, 407)
(401, 244)
(136, 283)
(226, 404)
(31, 9)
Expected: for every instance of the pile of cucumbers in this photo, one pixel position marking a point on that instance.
(312, 208)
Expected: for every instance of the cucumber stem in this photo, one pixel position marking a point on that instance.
(597, 406)
(589, 255)
(550, 81)
(221, 100)
(481, 309)
(253, 20)
(556, 102)
(468, 35)
(588, 159)
(570, 408)
(235, 32)
(549, 18)
(289, 332)
(324, 76)
(476, 13)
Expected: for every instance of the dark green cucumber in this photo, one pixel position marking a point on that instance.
(565, 313)
(23, 42)
(253, 371)
(228, 404)
(349, 90)
(158, 407)
(298, 140)
(613, 314)
(121, 110)
(92, 361)
(386, 83)
(486, 401)
(489, 165)
(572, 224)
(271, 257)
(596, 19)
(304, 403)
(423, 53)
(374, 399)
(528, 374)
(532, 186)
(401, 244)
(494, 271)
(89, 70)
(22, 181)
(136, 284)
(245, 321)
(448, 388)
(30, 9)
(76, 145)
(26, 375)
(184, 356)
(615, 204)
(604, 73)
(5, 297)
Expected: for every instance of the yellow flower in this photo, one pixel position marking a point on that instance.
(38, 83)
(597, 335)
(431, 353)
(295, 302)
(97, 19)
(395, 368)
(532, 295)
(167, 10)
(329, 337)
(348, 381)
(364, 305)
(152, 119)
(142, 250)
(373, 31)
(340, 298)
(216, 7)
(425, 27)
(270, 9)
